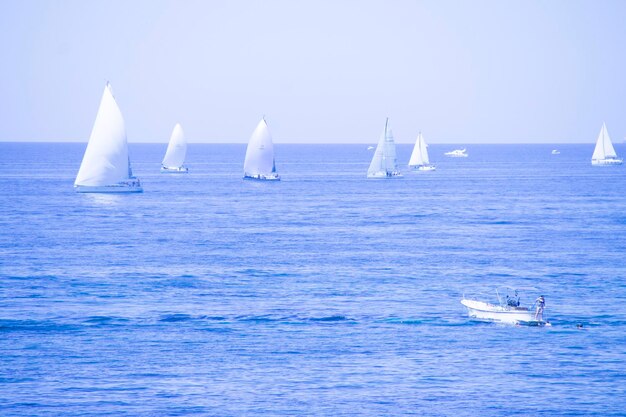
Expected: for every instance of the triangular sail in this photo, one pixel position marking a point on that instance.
(420, 152)
(384, 159)
(604, 147)
(260, 152)
(176, 149)
(106, 160)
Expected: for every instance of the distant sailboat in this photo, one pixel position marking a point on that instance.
(604, 153)
(419, 158)
(259, 163)
(176, 152)
(106, 165)
(384, 163)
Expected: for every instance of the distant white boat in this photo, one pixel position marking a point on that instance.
(384, 163)
(106, 165)
(506, 311)
(419, 158)
(369, 148)
(457, 153)
(176, 153)
(604, 153)
(556, 152)
(259, 163)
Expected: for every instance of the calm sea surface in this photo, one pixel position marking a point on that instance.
(323, 294)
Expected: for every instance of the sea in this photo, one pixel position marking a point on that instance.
(323, 294)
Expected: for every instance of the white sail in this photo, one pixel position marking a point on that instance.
(604, 147)
(176, 150)
(384, 162)
(420, 152)
(259, 162)
(106, 160)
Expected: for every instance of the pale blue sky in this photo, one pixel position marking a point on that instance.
(320, 71)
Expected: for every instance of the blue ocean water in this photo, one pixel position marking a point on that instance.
(323, 294)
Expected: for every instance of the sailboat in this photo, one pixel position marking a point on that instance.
(259, 163)
(384, 163)
(106, 165)
(419, 158)
(604, 153)
(176, 152)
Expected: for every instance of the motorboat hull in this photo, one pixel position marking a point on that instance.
(504, 314)
(174, 170)
(607, 161)
(124, 187)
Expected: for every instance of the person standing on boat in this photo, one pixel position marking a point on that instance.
(541, 304)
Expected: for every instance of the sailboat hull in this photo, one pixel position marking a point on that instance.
(125, 187)
(423, 168)
(260, 177)
(384, 175)
(174, 170)
(607, 161)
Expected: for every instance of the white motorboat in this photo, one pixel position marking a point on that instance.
(259, 163)
(507, 310)
(106, 165)
(556, 152)
(604, 152)
(457, 153)
(384, 163)
(419, 157)
(175, 153)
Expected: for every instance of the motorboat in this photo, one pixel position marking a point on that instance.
(457, 153)
(556, 152)
(508, 309)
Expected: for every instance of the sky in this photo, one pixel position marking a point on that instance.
(320, 71)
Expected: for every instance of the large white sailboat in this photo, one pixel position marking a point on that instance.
(419, 158)
(384, 163)
(604, 153)
(106, 165)
(259, 163)
(176, 152)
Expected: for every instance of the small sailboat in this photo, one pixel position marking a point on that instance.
(176, 152)
(419, 158)
(604, 153)
(260, 163)
(384, 163)
(457, 153)
(106, 165)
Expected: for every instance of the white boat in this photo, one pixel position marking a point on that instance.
(384, 163)
(369, 148)
(174, 159)
(260, 163)
(106, 165)
(507, 310)
(556, 152)
(457, 153)
(604, 153)
(419, 160)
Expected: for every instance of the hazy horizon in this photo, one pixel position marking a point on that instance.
(320, 71)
